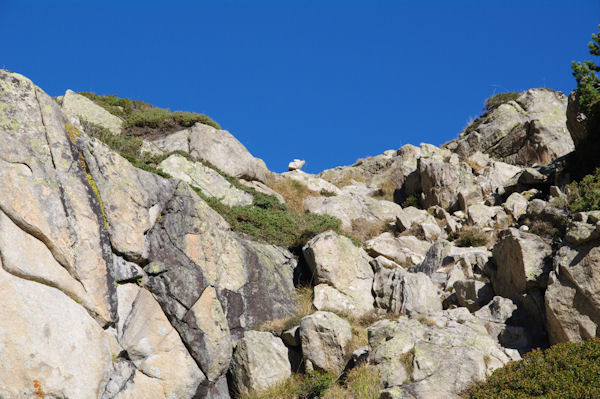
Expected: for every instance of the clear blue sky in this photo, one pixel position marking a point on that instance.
(326, 81)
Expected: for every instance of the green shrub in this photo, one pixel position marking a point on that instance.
(585, 194)
(567, 370)
(139, 114)
(274, 225)
(498, 99)
(412, 200)
(471, 237)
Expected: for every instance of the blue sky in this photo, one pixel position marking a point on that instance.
(325, 81)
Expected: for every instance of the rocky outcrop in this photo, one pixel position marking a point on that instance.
(353, 208)
(335, 261)
(325, 338)
(433, 356)
(79, 108)
(218, 147)
(572, 299)
(260, 361)
(209, 181)
(530, 130)
(401, 292)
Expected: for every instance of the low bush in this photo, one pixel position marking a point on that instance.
(471, 237)
(412, 200)
(498, 99)
(567, 370)
(273, 225)
(585, 194)
(141, 117)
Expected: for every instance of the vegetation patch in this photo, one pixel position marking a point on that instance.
(498, 99)
(293, 192)
(567, 370)
(142, 118)
(363, 229)
(585, 195)
(274, 223)
(471, 237)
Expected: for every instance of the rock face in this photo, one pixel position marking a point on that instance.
(116, 282)
(79, 107)
(335, 261)
(572, 299)
(76, 219)
(436, 356)
(325, 338)
(211, 183)
(522, 262)
(219, 148)
(260, 361)
(401, 292)
(532, 129)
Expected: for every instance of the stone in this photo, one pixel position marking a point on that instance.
(580, 232)
(218, 147)
(46, 195)
(441, 182)
(209, 181)
(296, 164)
(157, 351)
(253, 281)
(473, 294)
(47, 337)
(325, 338)
(521, 259)
(400, 292)
(433, 356)
(260, 361)
(411, 216)
(335, 261)
(404, 250)
(312, 182)
(481, 215)
(516, 205)
(80, 107)
(530, 130)
(434, 257)
(352, 208)
(132, 199)
(571, 300)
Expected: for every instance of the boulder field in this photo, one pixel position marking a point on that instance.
(118, 281)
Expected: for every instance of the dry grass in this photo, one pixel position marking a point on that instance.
(362, 382)
(387, 187)
(293, 192)
(304, 297)
(364, 230)
(350, 177)
(287, 389)
(471, 237)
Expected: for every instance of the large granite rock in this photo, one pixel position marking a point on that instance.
(162, 363)
(219, 148)
(401, 292)
(530, 130)
(404, 250)
(260, 361)
(349, 208)
(325, 338)
(46, 337)
(433, 357)
(573, 296)
(46, 195)
(522, 261)
(209, 181)
(79, 107)
(334, 260)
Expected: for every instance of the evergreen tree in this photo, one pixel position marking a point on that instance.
(588, 83)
